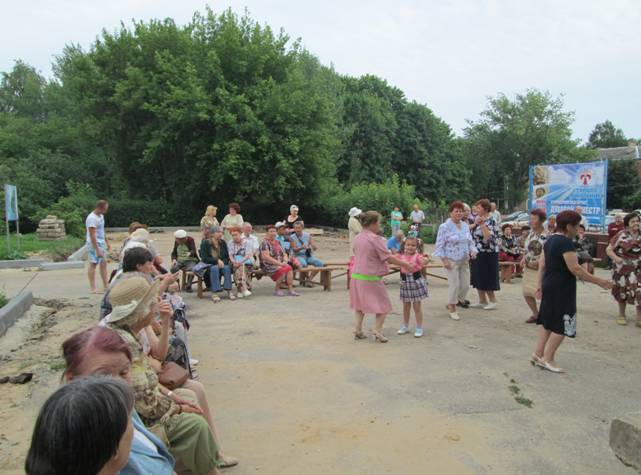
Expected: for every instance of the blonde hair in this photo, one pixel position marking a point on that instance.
(370, 217)
(211, 209)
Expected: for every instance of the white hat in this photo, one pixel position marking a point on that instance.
(180, 234)
(355, 212)
(279, 224)
(140, 235)
(293, 207)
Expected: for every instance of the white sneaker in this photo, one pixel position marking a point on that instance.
(418, 333)
(239, 295)
(478, 305)
(193, 362)
(403, 330)
(246, 293)
(490, 306)
(454, 316)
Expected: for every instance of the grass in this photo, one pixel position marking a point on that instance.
(516, 393)
(29, 244)
(4, 300)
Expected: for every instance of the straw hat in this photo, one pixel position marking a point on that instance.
(355, 212)
(140, 235)
(131, 300)
(180, 234)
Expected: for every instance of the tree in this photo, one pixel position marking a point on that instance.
(513, 134)
(606, 135)
(623, 183)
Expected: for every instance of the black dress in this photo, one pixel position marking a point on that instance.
(484, 269)
(558, 304)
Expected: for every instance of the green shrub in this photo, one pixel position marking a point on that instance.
(151, 212)
(73, 208)
(4, 300)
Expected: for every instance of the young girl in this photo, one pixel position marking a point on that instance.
(413, 287)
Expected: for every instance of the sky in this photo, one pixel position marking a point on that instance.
(450, 55)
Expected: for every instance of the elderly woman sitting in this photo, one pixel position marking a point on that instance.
(275, 263)
(171, 417)
(84, 427)
(213, 251)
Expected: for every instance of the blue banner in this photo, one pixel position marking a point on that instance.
(11, 202)
(555, 188)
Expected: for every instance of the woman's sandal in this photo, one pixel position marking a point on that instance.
(547, 366)
(379, 337)
(227, 462)
(360, 336)
(215, 298)
(535, 360)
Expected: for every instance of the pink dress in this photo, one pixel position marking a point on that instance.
(370, 258)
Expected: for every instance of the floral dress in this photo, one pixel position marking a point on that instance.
(485, 268)
(627, 274)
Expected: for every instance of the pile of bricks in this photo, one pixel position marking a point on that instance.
(51, 229)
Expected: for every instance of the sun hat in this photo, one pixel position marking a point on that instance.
(355, 212)
(131, 300)
(279, 224)
(180, 234)
(293, 207)
(140, 235)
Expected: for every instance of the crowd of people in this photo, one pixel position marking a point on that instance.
(131, 402)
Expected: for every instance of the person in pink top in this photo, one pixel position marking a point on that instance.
(413, 287)
(367, 292)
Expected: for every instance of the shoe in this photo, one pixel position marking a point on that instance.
(360, 336)
(478, 305)
(215, 298)
(547, 366)
(403, 330)
(418, 333)
(454, 316)
(535, 360)
(246, 293)
(293, 294)
(239, 295)
(379, 337)
(231, 296)
(193, 362)
(189, 290)
(279, 293)
(308, 284)
(621, 320)
(532, 319)
(490, 306)
(639, 323)
(464, 304)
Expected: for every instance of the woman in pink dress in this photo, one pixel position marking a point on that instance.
(367, 292)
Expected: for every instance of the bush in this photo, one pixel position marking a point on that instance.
(72, 208)
(4, 300)
(151, 212)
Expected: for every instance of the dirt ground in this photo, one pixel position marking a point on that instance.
(294, 393)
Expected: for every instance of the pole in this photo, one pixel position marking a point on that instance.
(8, 236)
(17, 221)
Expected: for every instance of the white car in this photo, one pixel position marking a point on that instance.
(517, 219)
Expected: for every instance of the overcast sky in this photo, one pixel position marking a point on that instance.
(450, 55)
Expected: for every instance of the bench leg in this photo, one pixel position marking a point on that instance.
(199, 286)
(326, 280)
(183, 279)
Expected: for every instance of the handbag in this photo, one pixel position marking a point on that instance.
(172, 375)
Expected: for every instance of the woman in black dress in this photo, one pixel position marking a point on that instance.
(558, 269)
(485, 268)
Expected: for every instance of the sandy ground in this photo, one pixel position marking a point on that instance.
(294, 393)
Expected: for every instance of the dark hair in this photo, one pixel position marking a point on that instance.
(79, 346)
(506, 225)
(540, 213)
(409, 238)
(235, 206)
(134, 257)
(485, 204)
(566, 218)
(79, 427)
(581, 226)
(270, 226)
(100, 204)
(456, 205)
(136, 225)
(525, 227)
(629, 217)
(299, 222)
(370, 217)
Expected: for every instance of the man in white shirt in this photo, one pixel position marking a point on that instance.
(495, 213)
(417, 217)
(97, 245)
(254, 244)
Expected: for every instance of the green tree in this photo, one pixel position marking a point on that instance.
(623, 183)
(513, 134)
(606, 135)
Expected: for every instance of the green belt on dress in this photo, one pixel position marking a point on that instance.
(367, 277)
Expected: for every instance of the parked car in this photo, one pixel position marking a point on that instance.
(517, 219)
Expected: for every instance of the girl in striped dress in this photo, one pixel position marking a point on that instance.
(413, 286)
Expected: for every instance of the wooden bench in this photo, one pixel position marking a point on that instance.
(200, 284)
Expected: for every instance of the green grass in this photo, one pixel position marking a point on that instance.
(4, 300)
(29, 244)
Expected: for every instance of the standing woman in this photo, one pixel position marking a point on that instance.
(558, 270)
(455, 247)
(485, 269)
(208, 221)
(625, 251)
(367, 292)
(233, 220)
(530, 263)
(292, 218)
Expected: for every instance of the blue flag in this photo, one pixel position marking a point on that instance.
(11, 202)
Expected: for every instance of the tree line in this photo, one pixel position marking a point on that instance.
(163, 119)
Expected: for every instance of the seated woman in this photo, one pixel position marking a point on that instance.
(275, 263)
(213, 251)
(510, 251)
(83, 427)
(188, 427)
(101, 351)
(241, 261)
